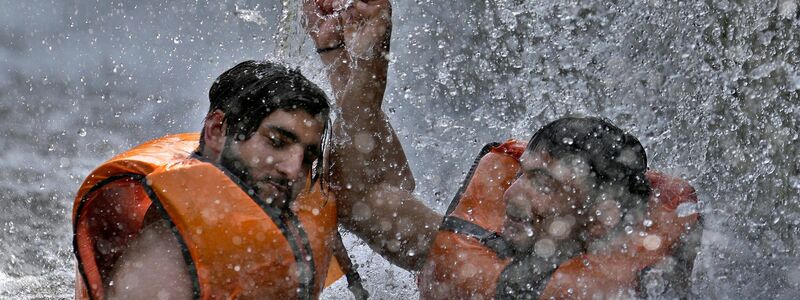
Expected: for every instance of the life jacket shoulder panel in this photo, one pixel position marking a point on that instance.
(110, 207)
(140, 160)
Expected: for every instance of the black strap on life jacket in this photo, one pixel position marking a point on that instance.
(525, 277)
(354, 283)
(490, 239)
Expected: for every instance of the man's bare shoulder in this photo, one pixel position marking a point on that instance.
(152, 267)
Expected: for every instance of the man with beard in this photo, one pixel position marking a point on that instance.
(238, 211)
(574, 214)
(247, 209)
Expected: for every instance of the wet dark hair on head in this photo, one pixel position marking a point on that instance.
(614, 157)
(252, 90)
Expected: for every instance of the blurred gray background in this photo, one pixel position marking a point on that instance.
(711, 88)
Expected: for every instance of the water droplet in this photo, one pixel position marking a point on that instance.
(652, 242)
(628, 229)
(82, 132)
(567, 141)
(686, 209)
(647, 223)
(544, 248)
(364, 142)
(559, 228)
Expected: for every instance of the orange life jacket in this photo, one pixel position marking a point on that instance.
(465, 267)
(235, 244)
(468, 254)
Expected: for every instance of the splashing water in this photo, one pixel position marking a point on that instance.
(711, 89)
(250, 15)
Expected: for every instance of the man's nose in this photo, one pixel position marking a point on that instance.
(292, 165)
(518, 201)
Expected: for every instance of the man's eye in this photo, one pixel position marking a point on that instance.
(276, 142)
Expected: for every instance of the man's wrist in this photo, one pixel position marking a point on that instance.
(338, 46)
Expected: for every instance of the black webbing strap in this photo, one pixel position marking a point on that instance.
(354, 283)
(490, 239)
(524, 278)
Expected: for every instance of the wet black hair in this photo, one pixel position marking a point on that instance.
(614, 157)
(252, 90)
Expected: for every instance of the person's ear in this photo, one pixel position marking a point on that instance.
(214, 132)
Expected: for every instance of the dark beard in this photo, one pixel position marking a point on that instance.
(234, 164)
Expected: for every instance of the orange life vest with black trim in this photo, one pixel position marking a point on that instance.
(235, 244)
(468, 255)
(460, 266)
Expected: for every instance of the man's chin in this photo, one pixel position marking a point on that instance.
(270, 194)
(277, 200)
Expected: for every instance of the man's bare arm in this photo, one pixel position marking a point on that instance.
(152, 267)
(372, 181)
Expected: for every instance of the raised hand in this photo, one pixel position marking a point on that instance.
(322, 24)
(331, 6)
(367, 28)
(358, 71)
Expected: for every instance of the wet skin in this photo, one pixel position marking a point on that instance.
(547, 200)
(276, 159)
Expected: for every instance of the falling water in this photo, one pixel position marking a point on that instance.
(711, 88)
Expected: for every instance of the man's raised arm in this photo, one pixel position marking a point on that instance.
(370, 176)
